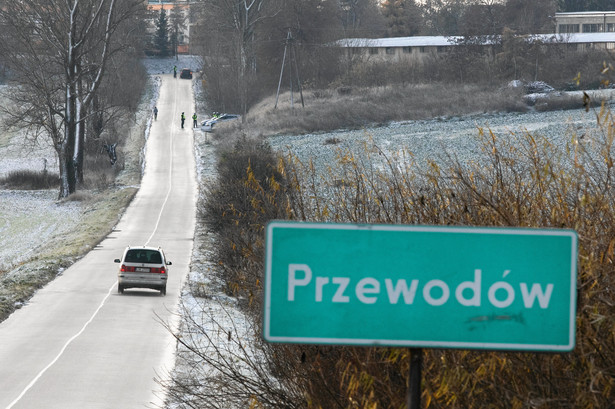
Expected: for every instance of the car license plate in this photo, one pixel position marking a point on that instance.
(142, 270)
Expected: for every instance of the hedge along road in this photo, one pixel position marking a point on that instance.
(80, 344)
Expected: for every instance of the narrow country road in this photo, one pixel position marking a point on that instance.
(80, 344)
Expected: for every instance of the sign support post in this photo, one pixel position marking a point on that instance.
(414, 380)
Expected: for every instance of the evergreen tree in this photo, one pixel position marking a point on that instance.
(161, 39)
(393, 13)
(403, 18)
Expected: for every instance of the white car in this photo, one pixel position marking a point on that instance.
(143, 267)
(208, 125)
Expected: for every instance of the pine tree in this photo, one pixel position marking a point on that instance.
(161, 39)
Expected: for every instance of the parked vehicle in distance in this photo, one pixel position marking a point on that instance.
(185, 73)
(208, 125)
(143, 267)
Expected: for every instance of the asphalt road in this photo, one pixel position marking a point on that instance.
(80, 344)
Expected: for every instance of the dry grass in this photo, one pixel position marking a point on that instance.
(327, 110)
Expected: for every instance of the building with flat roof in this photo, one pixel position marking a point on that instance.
(417, 49)
(585, 22)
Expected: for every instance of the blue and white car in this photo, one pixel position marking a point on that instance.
(208, 125)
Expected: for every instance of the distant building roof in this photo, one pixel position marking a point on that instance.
(427, 41)
(575, 38)
(584, 13)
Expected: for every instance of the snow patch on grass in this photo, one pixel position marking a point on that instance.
(30, 218)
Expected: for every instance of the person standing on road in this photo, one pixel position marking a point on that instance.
(155, 113)
(194, 122)
(175, 71)
(183, 118)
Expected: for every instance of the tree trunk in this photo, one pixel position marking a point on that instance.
(63, 172)
(70, 135)
(80, 145)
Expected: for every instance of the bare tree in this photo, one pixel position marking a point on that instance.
(361, 18)
(443, 16)
(58, 52)
(530, 16)
(482, 19)
(234, 24)
(177, 20)
(312, 24)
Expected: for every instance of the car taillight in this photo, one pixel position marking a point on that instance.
(161, 270)
(127, 269)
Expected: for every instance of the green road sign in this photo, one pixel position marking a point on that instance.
(420, 286)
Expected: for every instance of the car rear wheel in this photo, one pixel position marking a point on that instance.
(120, 289)
(163, 291)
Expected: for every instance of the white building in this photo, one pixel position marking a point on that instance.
(416, 49)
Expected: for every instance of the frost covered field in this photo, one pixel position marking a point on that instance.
(28, 219)
(429, 139)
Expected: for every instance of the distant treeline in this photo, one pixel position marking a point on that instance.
(249, 52)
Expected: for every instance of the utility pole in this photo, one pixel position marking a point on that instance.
(289, 47)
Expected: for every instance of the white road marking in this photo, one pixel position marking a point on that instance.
(40, 374)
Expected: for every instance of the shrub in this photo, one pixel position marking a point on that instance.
(247, 195)
(100, 173)
(30, 180)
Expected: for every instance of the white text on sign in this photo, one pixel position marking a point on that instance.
(500, 294)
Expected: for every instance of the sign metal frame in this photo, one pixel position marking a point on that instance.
(303, 242)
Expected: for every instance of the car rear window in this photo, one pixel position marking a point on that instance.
(143, 256)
